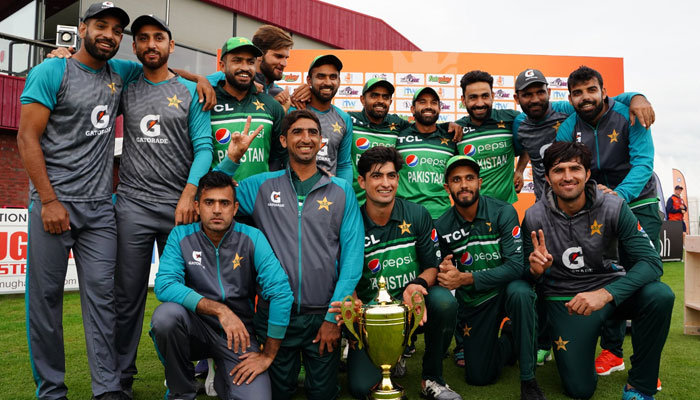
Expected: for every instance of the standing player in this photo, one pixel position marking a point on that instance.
(401, 246)
(237, 98)
(207, 314)
(167, 148)
(624, 166)
(482, 235)
(373, 126)
(275, 44)
(314, 226)
(66, 142)
(488, 138)
(336, 127)
(425, 148)
(584, 283)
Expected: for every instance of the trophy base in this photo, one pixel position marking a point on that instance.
(396, 394)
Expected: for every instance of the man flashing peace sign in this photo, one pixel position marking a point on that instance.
(584, 284)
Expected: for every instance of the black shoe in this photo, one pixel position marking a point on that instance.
(530, 390)
(111, 396)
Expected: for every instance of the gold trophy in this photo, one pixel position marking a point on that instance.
(383, 325)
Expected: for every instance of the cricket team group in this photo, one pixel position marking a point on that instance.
(270, 207)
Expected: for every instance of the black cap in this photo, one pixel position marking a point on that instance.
(528, 77)
(678, 187)
(326, 59)
(106, 7)
(149, 19)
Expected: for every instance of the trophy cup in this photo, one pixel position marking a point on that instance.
(383, 325)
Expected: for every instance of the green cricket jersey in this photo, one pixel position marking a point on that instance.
(366, 135)
(490, 247)
(229, 115)
(422, 177)
(399, 251)
(491, 145)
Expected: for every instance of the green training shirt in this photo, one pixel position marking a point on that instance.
(422, 177)
(229, 115)
(366, 135)
(491, 145)
(490, 247)
(399, 251)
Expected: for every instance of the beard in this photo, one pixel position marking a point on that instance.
(322, 97)
(464, 203)
(426, 120)
(269, 72)
(377, 114)
(242, 87)
(162, 60)
(96, 52)
(539, 114)
(472, 110)
(589, 115)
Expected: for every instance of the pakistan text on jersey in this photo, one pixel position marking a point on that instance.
(492, 162)
(435, 178)
(251, 155)
(395, 282)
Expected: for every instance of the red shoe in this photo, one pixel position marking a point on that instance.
(608, 362)
(658, 384)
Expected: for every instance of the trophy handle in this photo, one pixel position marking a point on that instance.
(417, 312)
(349, 316)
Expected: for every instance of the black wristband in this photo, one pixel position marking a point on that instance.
(419, 281)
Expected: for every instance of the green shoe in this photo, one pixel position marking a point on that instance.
(543, 355)
(301, 377)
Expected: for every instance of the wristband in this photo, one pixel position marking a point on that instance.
(419, 281)
(43, 203)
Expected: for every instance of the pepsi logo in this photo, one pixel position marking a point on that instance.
(466, 259)
(412, 160)
(639, 227)
(362, 143)
(434, 235)
(516, 232)
(223, 135)
(374, 266)
(469, 150)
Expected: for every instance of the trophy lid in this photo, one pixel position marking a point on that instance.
(383, 297)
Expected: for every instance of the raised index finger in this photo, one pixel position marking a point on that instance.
(541, 234)
(533, 237)
(246, 128)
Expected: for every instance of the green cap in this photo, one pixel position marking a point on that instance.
(457, 161)
(378, 82)
(242, 43)
(326, 59)
(426, 89)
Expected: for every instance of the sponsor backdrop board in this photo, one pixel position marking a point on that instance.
(13, 254)
(409, 71)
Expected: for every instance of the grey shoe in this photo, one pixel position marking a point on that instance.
(436, 391)
(399, 370)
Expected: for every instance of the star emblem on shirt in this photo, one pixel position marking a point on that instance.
(174, 101)
(489, 225)
(259, 105)
(444, 141)
(405, 227)
(556, 126)
(393, 126)
(336, 127)
(613, 136)
(237, 261)
(595, 228)
(561, 343)
(324, 204)
(501, 125)
(112, 86)
(467, 330)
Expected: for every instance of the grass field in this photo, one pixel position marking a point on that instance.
(680, 363)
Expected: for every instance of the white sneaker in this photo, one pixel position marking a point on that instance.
(436, 391)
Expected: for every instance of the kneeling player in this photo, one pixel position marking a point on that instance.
(484, 234)
(585, 284)
(401, 245)
(207, 280)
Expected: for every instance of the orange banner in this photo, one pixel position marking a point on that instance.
(409, 71)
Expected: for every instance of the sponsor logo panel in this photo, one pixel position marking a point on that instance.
(500, 81)
(411, 78)
(389, 76)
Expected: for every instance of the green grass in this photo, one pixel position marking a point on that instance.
(680, 372)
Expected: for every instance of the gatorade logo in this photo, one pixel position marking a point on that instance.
(412, 160)
(150, 125)
(99, 117)
(516, 232)
(573, 258)
(275, 197)
(466, 259)
(469, 150)
(434, 236)
(374, 266)
(362, 143)
(223, 135)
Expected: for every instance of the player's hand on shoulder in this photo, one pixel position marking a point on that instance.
(61, 52)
